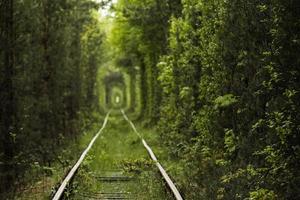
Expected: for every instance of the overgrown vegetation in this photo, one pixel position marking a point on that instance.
(50, 51)
(218, 79)
(222, 81)
(118, 153)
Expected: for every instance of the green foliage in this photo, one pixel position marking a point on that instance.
(137, 166)
(220, 79)
(139, 38)
(53, 49)
(263, 194)
(229, 140)
(225, 101)
(230, 82)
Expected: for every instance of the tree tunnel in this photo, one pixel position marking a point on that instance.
(115, 90)
(118, 89)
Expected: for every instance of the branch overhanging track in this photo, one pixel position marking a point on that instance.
(163, 172)
(68, 178)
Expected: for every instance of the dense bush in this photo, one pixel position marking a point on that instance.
(49, 53)
(227, 91)
(231, 98)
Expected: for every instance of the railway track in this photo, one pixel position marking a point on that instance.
(114, 182)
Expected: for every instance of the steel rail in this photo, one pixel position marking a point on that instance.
(71, 174)
(163, 172)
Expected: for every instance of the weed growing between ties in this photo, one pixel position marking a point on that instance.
(118, 165)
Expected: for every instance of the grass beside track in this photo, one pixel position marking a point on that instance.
(118, 152)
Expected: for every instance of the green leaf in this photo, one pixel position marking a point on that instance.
(225, 101)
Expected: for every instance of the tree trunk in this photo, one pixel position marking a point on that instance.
(7, 93)
(144, 92)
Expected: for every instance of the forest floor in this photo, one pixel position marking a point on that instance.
(118, 166)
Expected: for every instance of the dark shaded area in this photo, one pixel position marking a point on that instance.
(114, 80)
(47, 78)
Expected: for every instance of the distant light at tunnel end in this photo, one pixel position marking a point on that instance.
(105, 12)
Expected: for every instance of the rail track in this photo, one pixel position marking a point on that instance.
(114, 176)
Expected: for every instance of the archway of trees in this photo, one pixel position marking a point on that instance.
(115, 87)
(218, 80)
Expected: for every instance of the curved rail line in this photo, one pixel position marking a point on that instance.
(70, 175)
(163, 172)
